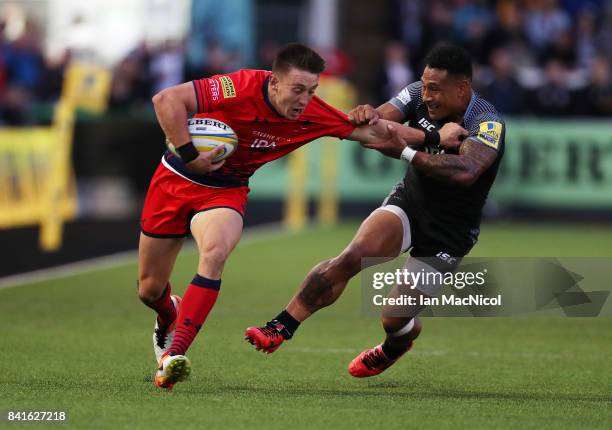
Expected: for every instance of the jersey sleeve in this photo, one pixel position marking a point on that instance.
(215, 92)
(489, 129)
(407, 100)
(330, 121)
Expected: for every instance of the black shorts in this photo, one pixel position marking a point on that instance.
(441, 243)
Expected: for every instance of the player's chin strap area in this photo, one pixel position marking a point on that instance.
(404, 330)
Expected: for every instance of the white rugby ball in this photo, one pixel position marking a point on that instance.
(208, 133)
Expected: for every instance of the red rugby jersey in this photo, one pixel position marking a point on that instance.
(241, 100)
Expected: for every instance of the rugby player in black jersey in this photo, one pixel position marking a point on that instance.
(434, 211)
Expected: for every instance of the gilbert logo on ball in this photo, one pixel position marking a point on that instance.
(207, 133)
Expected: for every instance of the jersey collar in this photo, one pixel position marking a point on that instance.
(469, 107)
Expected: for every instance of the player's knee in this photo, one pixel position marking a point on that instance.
(213, 258)
(350, 259)
(149, 288)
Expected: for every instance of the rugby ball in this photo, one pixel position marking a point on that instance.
(208, 133)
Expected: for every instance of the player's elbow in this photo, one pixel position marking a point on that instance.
(465, 179)
(169, 97)
(161, 98)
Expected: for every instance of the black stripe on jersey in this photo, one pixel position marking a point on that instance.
(216, 207)
(163, 236)
(195, 88)
(205, 97)
(217, 181)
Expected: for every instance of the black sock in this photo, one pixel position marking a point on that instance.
(290, 324)
(392, 351)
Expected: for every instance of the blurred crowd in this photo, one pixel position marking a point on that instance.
(30, 82)
(26, 77)
(532, 57)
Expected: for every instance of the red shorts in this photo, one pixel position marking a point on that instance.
(173, 200)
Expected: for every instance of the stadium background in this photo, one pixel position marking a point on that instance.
(79, 142)
(543, 64)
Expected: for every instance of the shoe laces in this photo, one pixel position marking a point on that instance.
(160, 337)
(271, 331)
(375, 359)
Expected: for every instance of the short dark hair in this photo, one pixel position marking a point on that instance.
(299, 56)
(454, 59)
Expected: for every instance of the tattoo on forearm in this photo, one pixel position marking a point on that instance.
(445, 166)
(473, 159)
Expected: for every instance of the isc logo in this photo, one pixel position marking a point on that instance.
(426, 124)
(263, 143)
(445, 257)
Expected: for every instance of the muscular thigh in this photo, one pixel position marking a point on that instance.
(218, 228)
(380, 235)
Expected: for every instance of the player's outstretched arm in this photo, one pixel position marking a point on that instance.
(377, 137)
(367, 114)
(391, 138)
(461, 169)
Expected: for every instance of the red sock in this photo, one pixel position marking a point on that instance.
(166, 312)
(199, 299)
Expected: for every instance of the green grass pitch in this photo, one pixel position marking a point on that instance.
(82, 343)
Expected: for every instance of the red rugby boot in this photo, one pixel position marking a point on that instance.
(267, 338)
(372, 362)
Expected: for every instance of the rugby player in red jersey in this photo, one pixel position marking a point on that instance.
(272, 113)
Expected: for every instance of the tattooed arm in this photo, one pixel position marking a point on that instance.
(461, 169)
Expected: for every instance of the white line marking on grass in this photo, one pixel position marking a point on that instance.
(67, 270)
(250, 236)
(353, 351)
(440, 353)
(324, 350)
